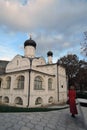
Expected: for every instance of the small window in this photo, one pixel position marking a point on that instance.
(38, 101)
(0, 99)
(61, 86)
(50, 100)
(8, 82)
(20, 82)
(0, 83)
(6, 100)
(17, 62)
(38, 83)
(18, 100)
(50, 83)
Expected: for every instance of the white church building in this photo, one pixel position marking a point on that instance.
(29, 81)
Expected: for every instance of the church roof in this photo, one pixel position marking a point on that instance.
(50, 53)
(30, 42)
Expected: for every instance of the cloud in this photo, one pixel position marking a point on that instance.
(54, 24)
(46, 14)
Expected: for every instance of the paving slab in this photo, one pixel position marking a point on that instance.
(53, 120)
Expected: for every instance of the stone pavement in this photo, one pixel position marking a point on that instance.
(53, 120)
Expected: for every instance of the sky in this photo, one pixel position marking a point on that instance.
(55, 25)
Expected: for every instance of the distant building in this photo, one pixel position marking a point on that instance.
(29, 81)
(3, 66)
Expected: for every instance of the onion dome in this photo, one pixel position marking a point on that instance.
(30, 42)
(50, 53)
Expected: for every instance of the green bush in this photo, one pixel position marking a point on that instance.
(82, 95)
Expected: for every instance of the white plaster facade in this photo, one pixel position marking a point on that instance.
(29, 81)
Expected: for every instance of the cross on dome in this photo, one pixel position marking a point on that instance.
(30, 42)
(30, 36)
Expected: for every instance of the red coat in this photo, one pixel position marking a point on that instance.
(72, 102)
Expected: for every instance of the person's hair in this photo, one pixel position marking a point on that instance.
(72, 87)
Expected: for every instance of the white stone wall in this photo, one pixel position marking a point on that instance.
(18, 63)
(12, 93)
(45, 94)
(62, 84)
(20, 66)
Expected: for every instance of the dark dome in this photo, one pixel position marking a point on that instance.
(50, 53)
(30, 42)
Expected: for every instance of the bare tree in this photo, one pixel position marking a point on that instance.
(84, 45)
(71, 64)
(76, 71)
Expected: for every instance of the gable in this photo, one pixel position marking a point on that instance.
(38, 61)
(18, 63)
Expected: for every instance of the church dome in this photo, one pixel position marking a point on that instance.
(30, 42)
(50, 53)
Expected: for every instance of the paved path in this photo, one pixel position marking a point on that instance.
(53, 120)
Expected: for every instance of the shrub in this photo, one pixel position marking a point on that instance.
(82, 95)
(5, 108)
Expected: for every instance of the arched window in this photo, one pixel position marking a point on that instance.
(50, 84)
(38, 101)
(50, 100)
(20, 82)
(18, 100)
(6, 100)
(38, 83)
(0, 82)
(0, 99)
(8, 82)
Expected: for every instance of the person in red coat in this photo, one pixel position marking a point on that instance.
(72, 102)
